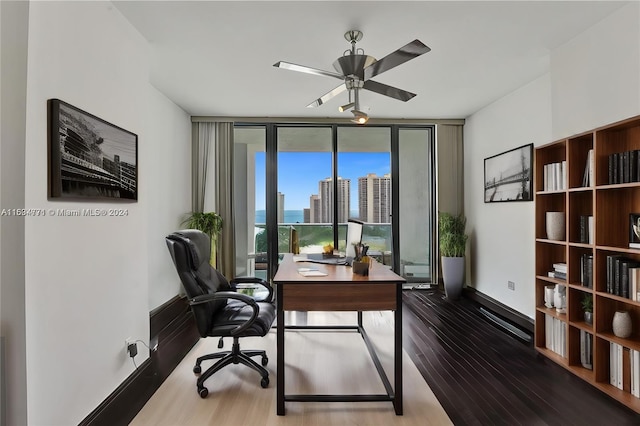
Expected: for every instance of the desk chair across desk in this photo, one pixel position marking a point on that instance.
(219, 310)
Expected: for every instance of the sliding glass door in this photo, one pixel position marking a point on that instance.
(297, 185)
(364, 164)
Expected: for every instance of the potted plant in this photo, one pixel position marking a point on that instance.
(210, 223)
(587, 307)
(453, 243)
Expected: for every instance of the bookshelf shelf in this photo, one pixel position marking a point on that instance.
(601, 189)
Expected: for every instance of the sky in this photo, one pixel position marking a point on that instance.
(300, 172)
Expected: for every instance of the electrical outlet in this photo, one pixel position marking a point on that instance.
(132, 349)
(511, 285)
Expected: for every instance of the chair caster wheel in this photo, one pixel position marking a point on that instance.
(197, 369)
(264, 382)
(203, 392)
(265, 361)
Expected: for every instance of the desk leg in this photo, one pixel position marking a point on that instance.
(280, 354)
(397, 401)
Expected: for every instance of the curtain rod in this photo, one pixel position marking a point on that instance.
(217, 119)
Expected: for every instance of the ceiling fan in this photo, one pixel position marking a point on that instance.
(356, 70)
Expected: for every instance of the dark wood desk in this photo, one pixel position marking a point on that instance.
(340, 290)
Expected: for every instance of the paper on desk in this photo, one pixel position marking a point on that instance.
(300, 258)
(309, 272)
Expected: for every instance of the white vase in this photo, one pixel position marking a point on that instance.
(453, 276)
(622, 324)
(560, 299)
(548, 296)
(555, 225)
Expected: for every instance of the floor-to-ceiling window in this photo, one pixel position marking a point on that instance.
(324, 174)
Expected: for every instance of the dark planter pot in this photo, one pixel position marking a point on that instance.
(453, 276)
(588, 318)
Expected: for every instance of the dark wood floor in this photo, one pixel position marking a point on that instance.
(483, 376)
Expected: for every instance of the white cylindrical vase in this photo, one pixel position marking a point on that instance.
(555, 225)
(622, 324)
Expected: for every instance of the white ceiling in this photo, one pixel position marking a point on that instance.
(216, 58)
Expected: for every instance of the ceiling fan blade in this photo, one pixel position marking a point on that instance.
(324, 98)
(386, 90)
(392, 60)
(308, 70)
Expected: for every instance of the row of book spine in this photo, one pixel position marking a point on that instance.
(624, 167)
(586, 349)
(623, 276)
(586, 229)
(555, 333)
(586, 270)
(555, 176)
(624, 368)
(559, 271)
(587, 179)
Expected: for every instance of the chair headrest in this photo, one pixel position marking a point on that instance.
(197, 242)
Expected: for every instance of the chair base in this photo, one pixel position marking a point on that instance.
(234, 356)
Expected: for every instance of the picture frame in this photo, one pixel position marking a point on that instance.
(634, 230)
(88, 157)
(508, 176)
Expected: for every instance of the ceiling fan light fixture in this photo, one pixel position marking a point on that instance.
(345, 107)
(359, 117)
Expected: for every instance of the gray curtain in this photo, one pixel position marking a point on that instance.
(223, 197)
(212, 183)
(450, 177)
(450, 185)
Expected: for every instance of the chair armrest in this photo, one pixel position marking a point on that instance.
(220, 295)
(254, 280)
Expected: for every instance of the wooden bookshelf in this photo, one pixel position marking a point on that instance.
(610, 204)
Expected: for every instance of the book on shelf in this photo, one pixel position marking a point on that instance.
(634, 284)
(586, 349)
(555, 176)
(560, 267)
(586, 229)
(625, 276)
(587, 178)
(616, 365)
(555, 335)
(586, 270)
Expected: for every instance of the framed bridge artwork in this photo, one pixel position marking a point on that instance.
(90, 158)
(508, 176)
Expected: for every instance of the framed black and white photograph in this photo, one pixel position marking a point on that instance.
(634, 230)
(90, 157)
(508, 176)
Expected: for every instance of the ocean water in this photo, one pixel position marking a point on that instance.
(290, 216)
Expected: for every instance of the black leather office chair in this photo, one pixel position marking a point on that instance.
(219, 310)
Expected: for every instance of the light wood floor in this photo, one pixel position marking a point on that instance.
(316, 362)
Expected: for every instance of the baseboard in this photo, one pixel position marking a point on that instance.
(173, 333)
(511, 315)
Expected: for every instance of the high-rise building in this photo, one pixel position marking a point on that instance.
(280, 207)
(374, 198)
(314, 209)
(306, 213)
(325, 191)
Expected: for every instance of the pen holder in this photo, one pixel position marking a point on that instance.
(361, 267)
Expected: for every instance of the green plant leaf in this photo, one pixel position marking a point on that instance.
(453, 240)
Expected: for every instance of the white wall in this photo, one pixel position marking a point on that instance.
(594, 80)
(502, 234)
(13, 91)
(88, 279)
(169, 160)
